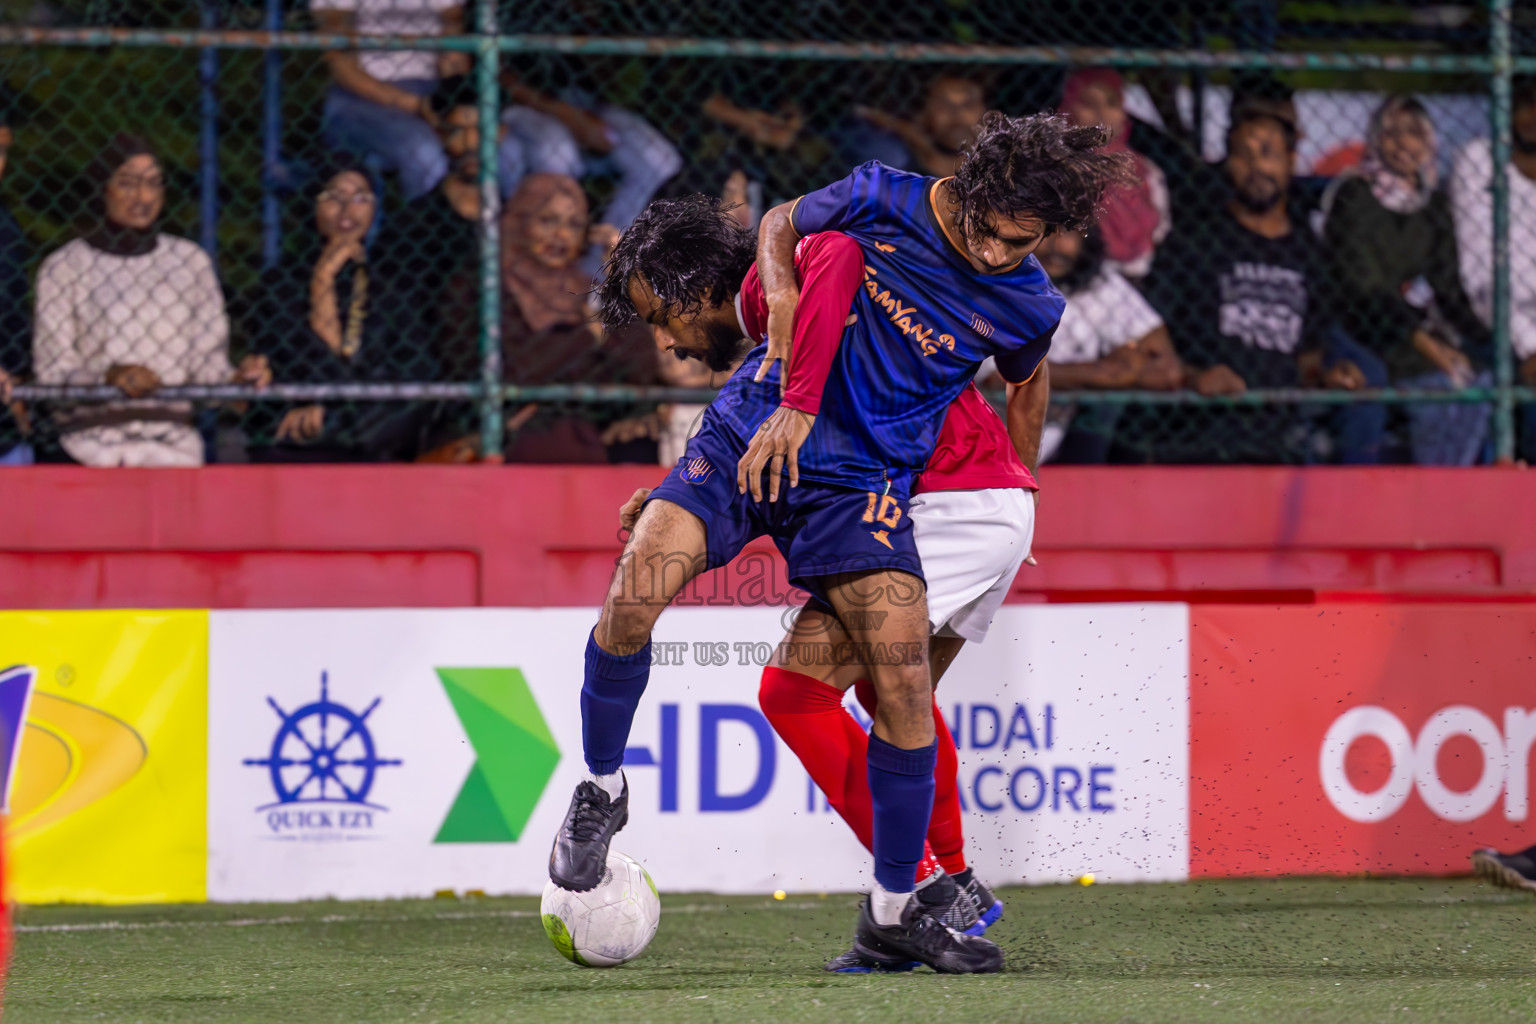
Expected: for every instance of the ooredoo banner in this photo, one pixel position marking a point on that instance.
(1390, 738)
(392, 753)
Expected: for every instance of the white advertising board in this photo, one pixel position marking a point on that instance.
(380, 753)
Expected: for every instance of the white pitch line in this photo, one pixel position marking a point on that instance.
(260, 922)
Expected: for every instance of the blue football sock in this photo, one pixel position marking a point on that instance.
(901, 790)
(610, 692)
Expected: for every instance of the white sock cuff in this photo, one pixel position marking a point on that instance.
(612, 784)
(886, 906)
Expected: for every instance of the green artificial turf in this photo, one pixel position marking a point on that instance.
(1292, 950)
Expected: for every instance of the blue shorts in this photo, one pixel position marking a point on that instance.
(820, 529)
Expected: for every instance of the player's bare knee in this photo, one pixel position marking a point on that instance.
(905, 710)
(665, 552)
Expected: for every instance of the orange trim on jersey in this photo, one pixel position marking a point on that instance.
(960, 249)
(944, 221)
(1026, 380)
(792, 208)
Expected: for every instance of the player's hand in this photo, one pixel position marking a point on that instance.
(629, 512)
(133, 380)
(781, 336)
(5, 387)
(776, 443)
(302, 425)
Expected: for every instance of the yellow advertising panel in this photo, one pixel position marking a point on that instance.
(108, 803)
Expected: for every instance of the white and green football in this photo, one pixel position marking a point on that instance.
(607, 925)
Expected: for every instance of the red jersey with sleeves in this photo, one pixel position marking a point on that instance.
(974, 451)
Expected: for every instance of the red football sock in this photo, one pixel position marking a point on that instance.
(946, 831)
(809, 716)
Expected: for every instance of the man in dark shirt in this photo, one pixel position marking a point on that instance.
(15, 319)
(430, 240)
(1241, 292)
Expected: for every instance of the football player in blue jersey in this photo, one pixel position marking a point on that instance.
(842, 523)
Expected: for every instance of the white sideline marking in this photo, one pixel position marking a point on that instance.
(257, 922)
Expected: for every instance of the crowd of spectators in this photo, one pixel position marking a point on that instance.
(1211, 278)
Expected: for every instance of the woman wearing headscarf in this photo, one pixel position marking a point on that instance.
(1392, 246)
(135, 309)
(549, 332)
(1135, 218)
(325, 316)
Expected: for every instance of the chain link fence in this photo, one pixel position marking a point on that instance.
(258, 230)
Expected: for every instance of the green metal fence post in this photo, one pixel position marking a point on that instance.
(1499, 119)
(488, 63)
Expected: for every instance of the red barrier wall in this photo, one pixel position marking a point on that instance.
(353, 536)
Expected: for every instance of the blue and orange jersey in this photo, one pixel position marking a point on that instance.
(926, 320)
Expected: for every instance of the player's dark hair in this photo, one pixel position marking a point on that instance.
(691, 251)
(1043, 166)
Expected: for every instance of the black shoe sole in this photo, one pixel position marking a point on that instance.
(571, 885)
(1485, 866)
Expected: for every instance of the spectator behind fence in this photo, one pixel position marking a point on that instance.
(929, 143)
(1135, 219)
(1393, 248)
(379, 101)
(15, 319)
(756, 143)
(1109, 338)
(571, 134)
(324, 316)
(549, 334)
(428, 243)
(134, 309)
(1242, 293)
(1472, 208)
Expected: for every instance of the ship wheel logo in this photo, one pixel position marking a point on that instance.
(322, 753)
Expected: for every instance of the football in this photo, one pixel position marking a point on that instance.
(608, 925)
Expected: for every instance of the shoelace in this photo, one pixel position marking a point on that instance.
(587, 820)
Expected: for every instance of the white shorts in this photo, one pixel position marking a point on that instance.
(972, 544)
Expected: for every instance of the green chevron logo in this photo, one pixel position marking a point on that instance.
(515, 755)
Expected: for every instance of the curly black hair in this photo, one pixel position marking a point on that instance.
(689, 250)
(1044, 166)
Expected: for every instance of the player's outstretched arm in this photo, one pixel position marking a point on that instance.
(776, 238)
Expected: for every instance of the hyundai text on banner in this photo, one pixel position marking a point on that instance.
(394, 753)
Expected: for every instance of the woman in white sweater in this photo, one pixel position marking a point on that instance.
(129, 307)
